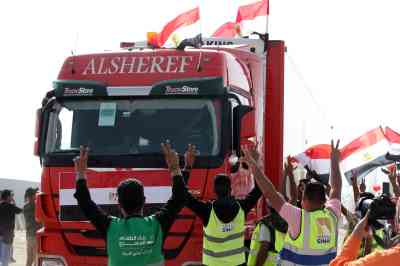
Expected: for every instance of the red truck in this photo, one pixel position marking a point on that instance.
(224, 95)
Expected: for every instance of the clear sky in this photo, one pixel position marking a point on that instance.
(342, 65)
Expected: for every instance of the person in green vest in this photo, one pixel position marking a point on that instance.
(267, 240)
(134, 239)
(223, 220)
(313, 228)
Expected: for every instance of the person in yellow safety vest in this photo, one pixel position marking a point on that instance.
(223, 220)
(267, 240)
(313, 230)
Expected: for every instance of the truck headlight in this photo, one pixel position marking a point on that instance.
(51, 262)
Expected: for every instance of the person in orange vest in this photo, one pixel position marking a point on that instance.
(350, 251)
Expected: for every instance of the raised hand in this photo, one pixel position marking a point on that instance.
(335, 153)
(171, 157)
(335, 178)
(393, 172)
(353, 177)
(251, 156)
(190, 156)
(289, 166)
(80, 162)
(363, 187)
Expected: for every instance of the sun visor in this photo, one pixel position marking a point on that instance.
(210, 86)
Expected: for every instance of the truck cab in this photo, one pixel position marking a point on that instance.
(123, 105)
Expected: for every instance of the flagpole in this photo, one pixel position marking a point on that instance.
(267, 25)
(266, 28)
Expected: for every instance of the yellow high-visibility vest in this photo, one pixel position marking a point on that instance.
(223, 243)
(316, 243)
(272, 254)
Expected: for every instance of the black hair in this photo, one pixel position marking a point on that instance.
(222, 185)
(131, 195)
(29, 192)
(5, 194)
(315, 192)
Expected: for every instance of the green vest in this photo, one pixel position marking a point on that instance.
(374, 245)
(134, 241)
(316, 243)
(223, 243)
(277, 240)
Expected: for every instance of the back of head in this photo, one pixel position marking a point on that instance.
(131, 195)
(222, 185)
(6, 194)
(314, 192)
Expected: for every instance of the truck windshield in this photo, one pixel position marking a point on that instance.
(135, 126)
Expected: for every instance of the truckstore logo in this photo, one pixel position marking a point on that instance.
(78, 92)
(186, 90)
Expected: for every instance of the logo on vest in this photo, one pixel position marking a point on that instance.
(227, 227)
(324, 230)
(135, 245)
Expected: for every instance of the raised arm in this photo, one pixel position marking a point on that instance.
(177, 200)
(89, 208)
(292, 183)
(267, 188)
(335, 178)
(354, 184)
(200, 208)
(393, 180)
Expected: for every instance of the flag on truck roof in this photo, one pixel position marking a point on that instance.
(253, 17)
(364, 154)
(316, 158)
(250, 18)
(185, 25)
(227, 30)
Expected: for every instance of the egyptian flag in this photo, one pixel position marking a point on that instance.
(249, 18)
(394, 141)
(364, 154)
(317, 158)
(228, 30)
(253, 17)
(184, 26)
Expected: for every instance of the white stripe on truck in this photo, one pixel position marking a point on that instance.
(108, 196)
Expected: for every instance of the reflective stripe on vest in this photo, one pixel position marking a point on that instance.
(255, 247)
(223, 243)
(317, 240)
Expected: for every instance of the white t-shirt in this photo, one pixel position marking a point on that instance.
(265, 233)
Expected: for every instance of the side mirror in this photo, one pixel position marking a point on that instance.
(240, 122)
(38, 126)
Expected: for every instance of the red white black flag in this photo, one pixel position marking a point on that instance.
(250, 18)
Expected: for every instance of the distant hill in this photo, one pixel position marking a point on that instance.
(18, 187)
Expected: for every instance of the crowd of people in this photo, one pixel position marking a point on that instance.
(8, 212)
(301, 228)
